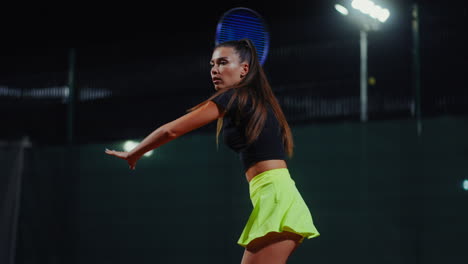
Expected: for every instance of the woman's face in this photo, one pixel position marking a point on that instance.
(226, 69)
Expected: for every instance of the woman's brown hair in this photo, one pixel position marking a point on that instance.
(253, 86)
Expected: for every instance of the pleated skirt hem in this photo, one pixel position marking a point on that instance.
(252, 236)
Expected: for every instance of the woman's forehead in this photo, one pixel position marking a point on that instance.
(223, 52)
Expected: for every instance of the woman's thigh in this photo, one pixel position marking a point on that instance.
(273, 248)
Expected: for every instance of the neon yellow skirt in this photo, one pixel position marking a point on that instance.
(277, 206)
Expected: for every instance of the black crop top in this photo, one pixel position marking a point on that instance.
(268, 145)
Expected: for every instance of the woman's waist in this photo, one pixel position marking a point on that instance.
(263, 166)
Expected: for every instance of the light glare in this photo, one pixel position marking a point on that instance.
(341, 9)
(385, 15)
(368, 7)
(129, 145)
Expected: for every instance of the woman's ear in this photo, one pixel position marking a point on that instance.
(244, 69)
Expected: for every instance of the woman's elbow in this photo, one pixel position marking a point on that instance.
(170, 133)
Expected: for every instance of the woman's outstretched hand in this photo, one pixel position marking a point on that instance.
(131, 159)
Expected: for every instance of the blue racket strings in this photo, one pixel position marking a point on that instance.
(239, 23)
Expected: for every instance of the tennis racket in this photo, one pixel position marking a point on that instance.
(241, 22)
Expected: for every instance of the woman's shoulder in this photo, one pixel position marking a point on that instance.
(223, 98)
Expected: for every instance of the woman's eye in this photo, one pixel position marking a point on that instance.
(221, 63)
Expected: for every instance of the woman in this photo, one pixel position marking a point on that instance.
(255, 127)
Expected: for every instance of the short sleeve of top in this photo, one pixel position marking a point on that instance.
(223, 99)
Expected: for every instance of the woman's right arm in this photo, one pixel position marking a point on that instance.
(184, 124)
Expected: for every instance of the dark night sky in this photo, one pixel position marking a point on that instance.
(178, 27)
(117, 41)
(181, 27)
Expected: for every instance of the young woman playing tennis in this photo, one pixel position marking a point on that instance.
(255, 127)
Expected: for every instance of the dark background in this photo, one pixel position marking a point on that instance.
(146, 65)
(379, 191)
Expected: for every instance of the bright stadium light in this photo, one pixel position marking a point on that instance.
(129, 145)
(370, 8)
(384, 15)
(369, 17)
(343, 10)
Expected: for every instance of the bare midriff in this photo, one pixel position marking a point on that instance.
(262, 166)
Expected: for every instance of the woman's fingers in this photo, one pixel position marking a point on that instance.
(123, 155)
(132, 162)
(111, 152)
(119, 154)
